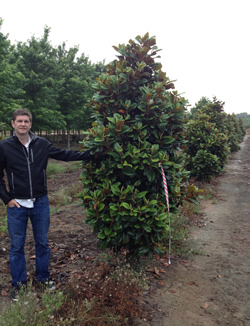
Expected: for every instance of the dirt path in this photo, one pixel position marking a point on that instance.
(213, 287)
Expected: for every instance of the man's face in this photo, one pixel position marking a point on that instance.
(21, 125)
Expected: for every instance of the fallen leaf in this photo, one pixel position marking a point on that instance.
(172, 291)
(73, 257)
(156, 270)
(219, 276)
(192, 283)
(61, 266)
(4, 293)
(183, 262)
(205, 305)
(33, 257)
(162, 271)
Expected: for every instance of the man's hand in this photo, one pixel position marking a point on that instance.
(13, 203)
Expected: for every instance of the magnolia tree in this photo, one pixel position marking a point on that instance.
(211, 136)
(138, 124)
(207, 149)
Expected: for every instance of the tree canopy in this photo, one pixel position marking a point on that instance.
(54, 83)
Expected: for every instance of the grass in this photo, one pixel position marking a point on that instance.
(65, 196)
(32, 308)
(180, 243)
(105, 294)
(55, 168)
(3, 224)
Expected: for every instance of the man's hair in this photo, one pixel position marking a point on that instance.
(21, 111)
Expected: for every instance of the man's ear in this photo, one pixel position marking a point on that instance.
(12, 123)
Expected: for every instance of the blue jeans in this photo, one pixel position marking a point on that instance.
(17, 226)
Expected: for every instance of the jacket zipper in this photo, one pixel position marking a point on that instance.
(44, 178)
(29, 171)
(12, 181)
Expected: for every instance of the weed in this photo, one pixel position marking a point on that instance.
(31, 309)
(65, 196)
(73, 166)
(179, 235)
(106, 294)
(104, 257)
(208, 190)
(54, 210)
(3, 224)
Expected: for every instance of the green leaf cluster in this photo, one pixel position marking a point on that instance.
(139, 123)
(211, 136)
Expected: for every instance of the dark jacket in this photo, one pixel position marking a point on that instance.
(26, 170)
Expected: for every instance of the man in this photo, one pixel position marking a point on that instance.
(24, 158)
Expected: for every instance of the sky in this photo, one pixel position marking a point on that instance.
(204, 44)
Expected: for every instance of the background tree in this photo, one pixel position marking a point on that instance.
(234, 132)
(203, 101)
(10, 83)
(245, 119)
(242, 127)
(207, 148)
(139, 124)
(37, 61)
(77, 75)
(215, 110)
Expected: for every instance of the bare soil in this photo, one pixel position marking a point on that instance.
(211, 287)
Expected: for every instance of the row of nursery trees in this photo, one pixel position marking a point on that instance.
(138, 122)
(54, 83)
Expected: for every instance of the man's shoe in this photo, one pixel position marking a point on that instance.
(17, 291)
(48, 284)
(14, 294)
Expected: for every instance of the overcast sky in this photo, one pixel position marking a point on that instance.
(205, 43)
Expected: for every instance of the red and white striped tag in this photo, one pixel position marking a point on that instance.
(167, 200)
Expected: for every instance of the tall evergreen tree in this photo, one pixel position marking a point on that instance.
(37, 61)
(10, 82)
(203, 101)
(77, 75)
(139, 124)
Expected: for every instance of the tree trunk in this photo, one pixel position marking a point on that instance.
(68, 137)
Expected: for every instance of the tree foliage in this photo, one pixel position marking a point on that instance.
(207, 148)
(75, 90)
(36, 60)
(10, 82)
(244, 117)
(203, 101)
(53, 83)
(212, 135)
(139, 124)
